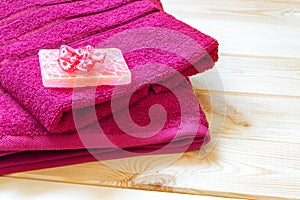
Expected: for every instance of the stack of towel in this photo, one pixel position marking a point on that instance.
(38, 128)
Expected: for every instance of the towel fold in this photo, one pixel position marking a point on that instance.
(20, 71)
(34, 160)
(39, 149)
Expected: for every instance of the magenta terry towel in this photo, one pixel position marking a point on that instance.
(26, 144)
(31, 115)
(28, 27)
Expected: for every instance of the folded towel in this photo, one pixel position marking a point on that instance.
(53, 23)
(155, 47)
(33, 160)
(26, 144)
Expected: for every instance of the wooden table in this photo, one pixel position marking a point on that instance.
(257, 152)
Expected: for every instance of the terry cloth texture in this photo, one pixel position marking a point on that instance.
(181, 132)
(37, 128)
(56, 24)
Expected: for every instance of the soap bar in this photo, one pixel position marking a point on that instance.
(112, 70)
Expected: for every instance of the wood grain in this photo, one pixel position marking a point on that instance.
(256, 75)
(247, 27)
(43, 190)
(253, 117)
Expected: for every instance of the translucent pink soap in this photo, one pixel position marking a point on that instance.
(112, 71)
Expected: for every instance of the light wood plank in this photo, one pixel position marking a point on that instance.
(257, 154)
(21, 189)
(235, 168)
(257, 75)
(264, 28)
(252, 117)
